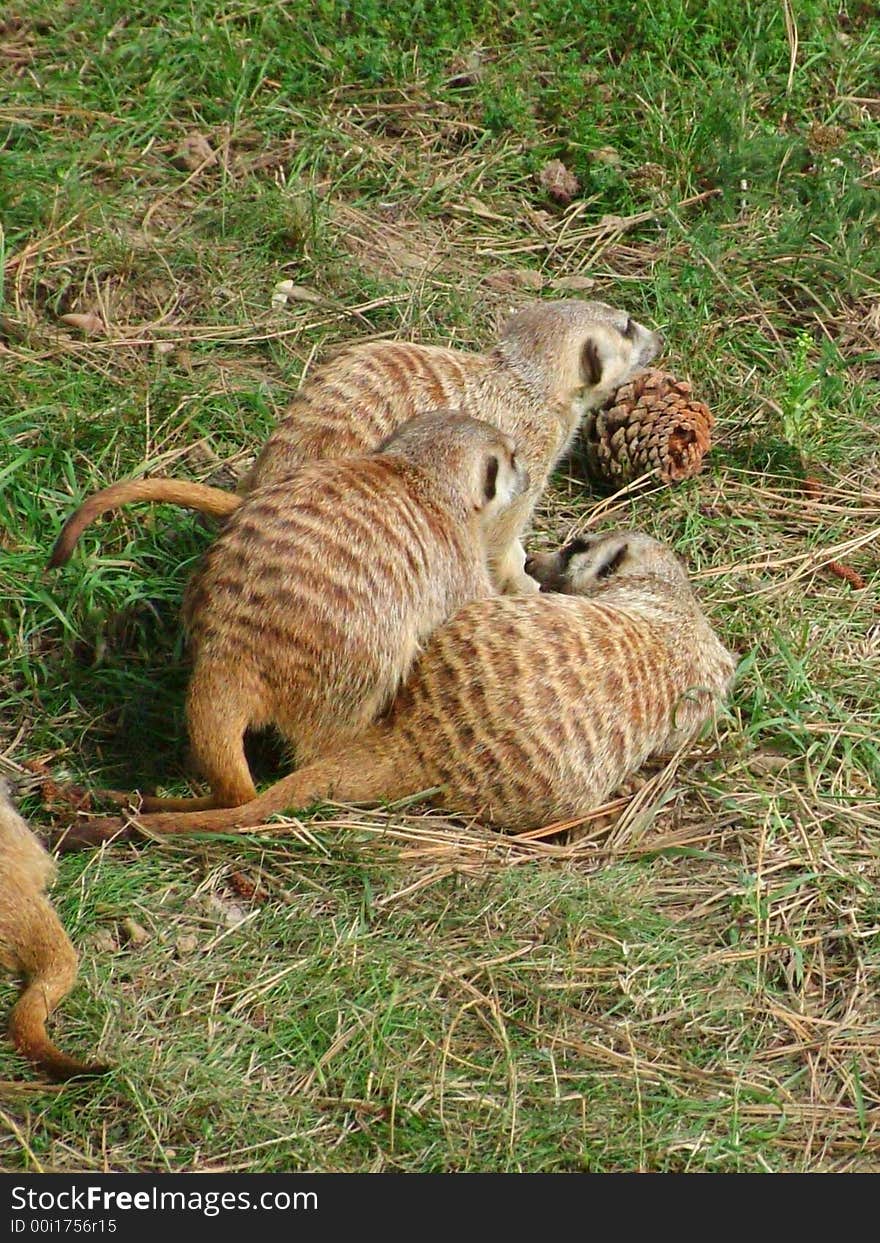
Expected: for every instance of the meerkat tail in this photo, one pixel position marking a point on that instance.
(153, 803)
(49, 963)
(130, 799)
(362, 773)
(207, 500)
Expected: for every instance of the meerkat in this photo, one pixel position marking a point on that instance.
(554, 361)
(316, 597)
(524, 711)
(34, 944)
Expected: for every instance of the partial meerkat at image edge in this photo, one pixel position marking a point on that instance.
(554, 361)
(523, 711)
(34, 944)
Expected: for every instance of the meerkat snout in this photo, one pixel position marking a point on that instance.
(551, 569)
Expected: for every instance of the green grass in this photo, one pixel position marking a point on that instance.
(399, 992)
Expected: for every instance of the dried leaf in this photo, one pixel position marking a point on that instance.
(289, 292)
(822, 138)
(194, 152)
(848, 574)
(37, 766)
(559, 182)
(89, 323)
(606, 155)
(509, 279)
(466, 69)
(224, 910)
(246, 888)
(577, 283)
(65, 794)
(133, 932)
(102, 941)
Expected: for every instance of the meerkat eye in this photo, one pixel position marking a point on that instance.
(629, 330)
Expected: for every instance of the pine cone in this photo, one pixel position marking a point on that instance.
(653, 421)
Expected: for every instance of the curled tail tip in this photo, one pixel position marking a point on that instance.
(59, 1067)
(27, 1026)
(33, 1043)
(60, 554)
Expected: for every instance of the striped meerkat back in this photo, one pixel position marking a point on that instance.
(357, 400)
(313, 601)
(306, 560)
(522, 728)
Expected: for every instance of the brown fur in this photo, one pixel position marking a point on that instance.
(34, 944)
(526, 711)
(554, 362)
(212, 501)
(315, 599)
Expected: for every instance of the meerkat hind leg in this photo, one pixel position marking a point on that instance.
(367, 771)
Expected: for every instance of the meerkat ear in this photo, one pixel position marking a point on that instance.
(490, 481)
(612, 562)
(591, 363)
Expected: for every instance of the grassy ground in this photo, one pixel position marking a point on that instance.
(695, 989)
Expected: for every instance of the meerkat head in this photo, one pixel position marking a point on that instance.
(464, 455)
(589, 564)
(576, 354)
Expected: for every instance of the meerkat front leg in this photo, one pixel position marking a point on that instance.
(507, 557)
(509, 575)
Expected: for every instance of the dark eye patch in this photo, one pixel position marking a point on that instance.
(606, 570)
(490, 487)
(630, 330)
(591, 364)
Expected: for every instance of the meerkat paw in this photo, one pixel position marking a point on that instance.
(520, 585)
(510, 575)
